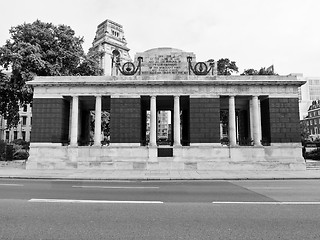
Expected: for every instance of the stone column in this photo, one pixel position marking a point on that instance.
(256, 121)
(176, 121)
(97, 122)
(251, 119)
(74, 121)
(232, 121)
(153, 121)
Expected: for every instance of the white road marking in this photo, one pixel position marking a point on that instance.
(271, 188)
(114, 187)
(87, 201)
(11, 184)
(270, 203)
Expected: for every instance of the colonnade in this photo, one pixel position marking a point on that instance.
(255, 121)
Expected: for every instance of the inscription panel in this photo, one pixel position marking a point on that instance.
(164, 61)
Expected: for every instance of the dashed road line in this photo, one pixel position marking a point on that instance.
(89, 201)
(115, 187)
(270, 203)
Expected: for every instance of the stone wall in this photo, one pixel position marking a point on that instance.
(125, 120)
(284, 120)
(204, 120)
(50, 120)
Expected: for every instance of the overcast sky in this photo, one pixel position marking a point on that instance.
(254, 33)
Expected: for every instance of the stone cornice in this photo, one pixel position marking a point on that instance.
(165, 80)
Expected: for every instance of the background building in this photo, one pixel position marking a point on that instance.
(308, 93)
(22, 131)
(313, 119)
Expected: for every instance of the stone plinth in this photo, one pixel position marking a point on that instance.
(286, 157)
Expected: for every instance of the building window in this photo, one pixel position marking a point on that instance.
(7, 135)
(24, 135)
(315, 130)
(25, 108)
(307, 123)
(311, 122)
(15, 135)
(24, 120)
(315, 121)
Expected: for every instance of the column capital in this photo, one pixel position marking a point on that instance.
(98, 95)
(153, 96)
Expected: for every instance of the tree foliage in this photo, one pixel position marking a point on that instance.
(39, 49)
(304, 130)
(262, 71)
(226, 67)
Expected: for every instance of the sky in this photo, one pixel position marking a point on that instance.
(253, 33)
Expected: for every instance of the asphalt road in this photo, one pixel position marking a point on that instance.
(40, 209)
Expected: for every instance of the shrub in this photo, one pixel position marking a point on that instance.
(2, 150)
(24, 144)
(9, 152)
(20, 154)
(224, 141)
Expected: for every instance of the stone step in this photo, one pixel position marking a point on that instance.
(313, 165)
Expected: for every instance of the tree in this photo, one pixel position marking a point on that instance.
(267, 71)
(250, 71)
(39, 49)
(9, 104)
(226, 67)
(262, 71)
(304, 131)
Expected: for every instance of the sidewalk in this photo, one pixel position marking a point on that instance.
(97, 174)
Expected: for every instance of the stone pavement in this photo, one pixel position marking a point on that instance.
(14, 171)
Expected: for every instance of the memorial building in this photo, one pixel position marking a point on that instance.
(207, 121)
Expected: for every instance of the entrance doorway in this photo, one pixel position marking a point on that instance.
(165, 120)
(164, 127)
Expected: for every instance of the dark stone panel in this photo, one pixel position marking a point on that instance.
(125, 120)
(185, 120)
(204, 120)
(50, 120)
(243, 125)
(284, 120)
(165, 152)
(265, 120)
